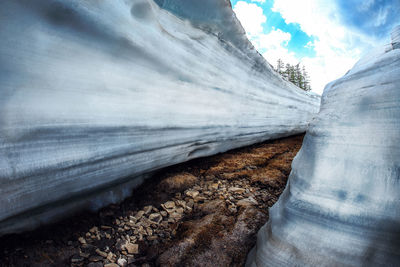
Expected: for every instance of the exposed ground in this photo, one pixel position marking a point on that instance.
(205, 212)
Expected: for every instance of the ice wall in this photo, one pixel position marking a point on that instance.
(341, 206)
(95, 95)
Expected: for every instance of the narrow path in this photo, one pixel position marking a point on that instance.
(205, 212)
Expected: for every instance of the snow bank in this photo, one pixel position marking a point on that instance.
(341, 206)
(96, 95)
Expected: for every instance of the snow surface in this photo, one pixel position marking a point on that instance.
(96, 95)
(341, 206)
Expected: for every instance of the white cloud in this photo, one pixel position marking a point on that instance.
(337, 47)
(272, 45)
(251, 17)
(260, 1)
(275, 46)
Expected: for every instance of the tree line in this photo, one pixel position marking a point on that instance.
(295, 74)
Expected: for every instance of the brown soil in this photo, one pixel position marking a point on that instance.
(205, 212)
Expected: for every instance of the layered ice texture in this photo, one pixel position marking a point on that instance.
(96, 95)
(341, 206)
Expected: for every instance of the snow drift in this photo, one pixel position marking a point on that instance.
(341, 206)
(95, 95)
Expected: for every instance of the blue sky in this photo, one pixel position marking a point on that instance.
(327, 36)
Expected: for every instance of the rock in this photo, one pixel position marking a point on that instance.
(179, 210)
(147, 209)
(139, 215)
(94, 230)
(120, 244)
(149, 231)
(214, 186)
(95, 258)
(76, 259)
(236, 190)
(169, 205)
(111, 257)
(111, 265)
(101, 253)
(84, 255)
(122, 262)
(95, 264)
(82, 240)
(247, 202)
(164, 213)
(192, 193)
(155, 217)
(132, 248)
(175, 216)
(232, 209)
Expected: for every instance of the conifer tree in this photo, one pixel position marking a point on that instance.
(280, 66)
(295, 74)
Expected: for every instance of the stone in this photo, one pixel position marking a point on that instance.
(96, 258)
(101, 253)
(111, 265)
(236, 190)
(132, 248)
(111, 257)
(84, 255)
(82, 240)
(139, 215)
(164, 213)
(192, 193)
(247, 201)
(155, 217)
(181, 203)
(175, 216)
(76, 258)
(179, 210)
(147, 209)
(122, 262)
(149, 231)
(169, 205)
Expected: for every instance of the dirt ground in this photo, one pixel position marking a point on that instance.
(205, 212)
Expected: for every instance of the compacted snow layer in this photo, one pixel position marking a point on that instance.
(95, 95)
(341, 206)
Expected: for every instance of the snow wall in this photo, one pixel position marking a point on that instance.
(341, 206)
(96, 95)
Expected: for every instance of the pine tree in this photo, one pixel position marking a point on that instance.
(286, 73)
(298, 77)
(295, 74)
(306, 82)
(280, 66)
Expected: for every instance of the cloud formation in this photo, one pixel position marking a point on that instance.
(342, 31)
(251, 17)
(372, 17)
